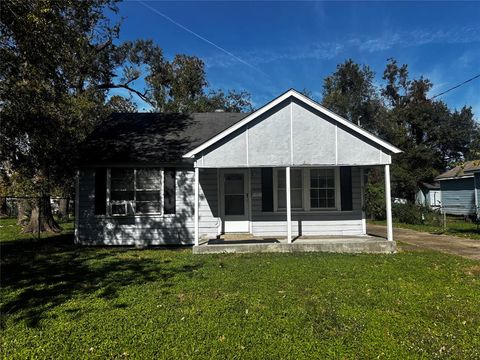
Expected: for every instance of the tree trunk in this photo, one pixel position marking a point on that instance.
(42, 217)
(63, 208)
(3, 207)
(23, 207)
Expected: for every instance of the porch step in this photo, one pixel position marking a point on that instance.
(237, 236)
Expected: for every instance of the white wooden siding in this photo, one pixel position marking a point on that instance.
(150, 229)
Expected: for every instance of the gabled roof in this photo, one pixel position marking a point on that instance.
(427, 186)
(304, 99)
(461, 171)
(152, 137)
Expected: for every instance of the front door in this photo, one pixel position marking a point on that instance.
(235, 201)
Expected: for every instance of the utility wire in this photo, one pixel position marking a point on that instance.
(456, 86)
(200, 37)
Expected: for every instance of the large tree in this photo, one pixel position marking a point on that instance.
(402, 113)
(350, 92)
(431, 135)
(182, 87)
(59, 61)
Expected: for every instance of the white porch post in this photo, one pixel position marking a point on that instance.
(362, 194)
(197, 234)
(289, 205)
(388, 201)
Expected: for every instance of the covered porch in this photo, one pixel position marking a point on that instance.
(252, 217)
(294, 172)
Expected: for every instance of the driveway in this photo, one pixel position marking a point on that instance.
(467, 248)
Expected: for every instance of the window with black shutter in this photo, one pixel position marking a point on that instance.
(100, 191)
(267, 189)
(169, 191)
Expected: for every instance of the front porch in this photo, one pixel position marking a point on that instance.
(245, 243)
(291, 169)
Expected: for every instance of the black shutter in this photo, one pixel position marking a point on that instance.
(346, 187)
(267, 189)
(169, 191)
(100, 191)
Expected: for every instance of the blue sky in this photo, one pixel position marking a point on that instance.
(274, 46)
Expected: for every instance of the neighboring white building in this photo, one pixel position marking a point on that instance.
(429, 195)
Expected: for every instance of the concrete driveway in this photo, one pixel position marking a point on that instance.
(467, 248)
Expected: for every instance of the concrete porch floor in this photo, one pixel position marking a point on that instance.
(246, 243)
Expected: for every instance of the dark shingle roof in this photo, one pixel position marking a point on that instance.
(465, 169)
(152, 137)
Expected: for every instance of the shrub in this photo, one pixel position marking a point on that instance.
(415, 214)
(375, 196)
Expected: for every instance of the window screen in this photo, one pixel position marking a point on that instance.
(148, 186)
(296, 188)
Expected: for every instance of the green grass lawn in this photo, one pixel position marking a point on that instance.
(62, 301)
(455, 227)
(10, 231)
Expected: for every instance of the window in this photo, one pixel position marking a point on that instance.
(135, 191)
(296, 188)
(122, 192)
(322, 189)
(311, 189)
(148, 189)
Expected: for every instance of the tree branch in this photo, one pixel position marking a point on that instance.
(141, 95)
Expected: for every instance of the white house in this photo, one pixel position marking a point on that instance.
(291, 171)
(429, 195)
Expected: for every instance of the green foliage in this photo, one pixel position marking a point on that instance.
(432, 136)
(120, 104)
(63, 301)
(59, 61)
(375, 195)
(415, 215)
(350, 92)
(181, 87)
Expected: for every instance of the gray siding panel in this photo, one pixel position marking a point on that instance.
(153, 229)
(312, 133)
(458, 197)
(293, 134)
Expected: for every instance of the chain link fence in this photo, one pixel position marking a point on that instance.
(23, 208)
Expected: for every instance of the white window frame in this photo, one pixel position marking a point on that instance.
(336, 174)
(306, 190)
(134, 201)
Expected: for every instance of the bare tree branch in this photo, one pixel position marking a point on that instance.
(141, 95)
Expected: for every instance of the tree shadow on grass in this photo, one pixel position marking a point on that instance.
(44, 274)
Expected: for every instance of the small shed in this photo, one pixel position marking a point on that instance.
(459, 188)
(429, 194)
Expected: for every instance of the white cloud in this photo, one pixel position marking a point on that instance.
(331, 49)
